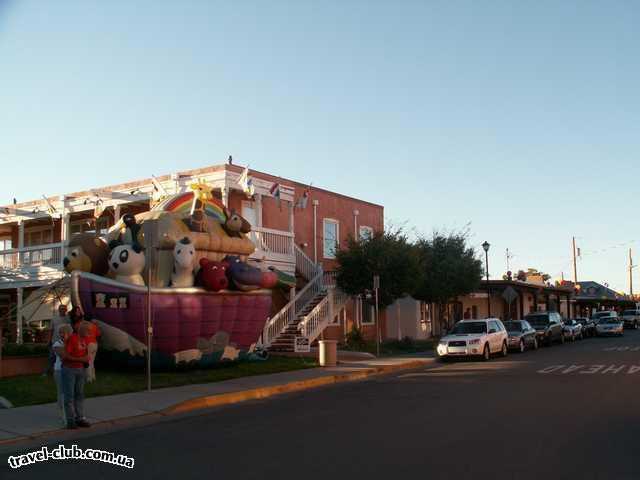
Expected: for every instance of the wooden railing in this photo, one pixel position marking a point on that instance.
(304, 265)
(274, 243)
(289, 313)
(49, 255)
(312, 325)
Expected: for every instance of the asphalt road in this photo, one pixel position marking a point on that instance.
(566, 411)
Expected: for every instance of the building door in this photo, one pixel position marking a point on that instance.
(249, 213)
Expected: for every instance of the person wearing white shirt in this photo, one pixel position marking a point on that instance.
(62, 334)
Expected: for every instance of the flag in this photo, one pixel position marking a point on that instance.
(275, 190)
(98, 209)
(302, 201)
(246, 183)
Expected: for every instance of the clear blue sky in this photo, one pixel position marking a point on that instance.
(522, 118)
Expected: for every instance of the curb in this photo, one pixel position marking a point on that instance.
(245, 395)
(265, 392)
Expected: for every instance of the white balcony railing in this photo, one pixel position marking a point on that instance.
(275, 244)
(49, 255)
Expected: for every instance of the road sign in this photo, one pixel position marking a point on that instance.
(509, 295)
(301, 345)
(376, 282)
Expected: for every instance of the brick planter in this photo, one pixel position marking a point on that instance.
(22, 365)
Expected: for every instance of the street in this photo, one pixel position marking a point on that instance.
(566, 411)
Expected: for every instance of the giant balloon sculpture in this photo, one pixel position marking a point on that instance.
(186, 260)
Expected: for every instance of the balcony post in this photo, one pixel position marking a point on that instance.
(116, 214)
(291, 211)
(258, 209)
(19, 315)
(64, 235)
(224, 191)
(20, 242)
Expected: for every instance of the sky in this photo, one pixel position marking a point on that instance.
(517, 120)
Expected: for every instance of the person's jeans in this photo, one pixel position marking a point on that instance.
(73, 389)
(57, 376)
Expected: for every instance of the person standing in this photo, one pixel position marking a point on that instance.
(62, 334)
(74, 360)
(92, 346)
(57, 320)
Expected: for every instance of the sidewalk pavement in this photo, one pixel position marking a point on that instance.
(24, 423)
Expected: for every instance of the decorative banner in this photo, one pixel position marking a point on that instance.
(119, 301)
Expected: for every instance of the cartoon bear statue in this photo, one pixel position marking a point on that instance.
(127, 263)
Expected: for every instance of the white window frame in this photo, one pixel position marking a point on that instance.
(365, 228)
(335, 222)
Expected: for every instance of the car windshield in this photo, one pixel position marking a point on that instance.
(513, 326)
(537, 319)
(469, 327)
(602, 314)
(630, 312)
(609, 320)
(581, 320)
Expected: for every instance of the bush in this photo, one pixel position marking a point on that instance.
(355, 340)
(26, 349)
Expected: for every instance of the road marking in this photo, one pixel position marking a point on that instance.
(621, 349)
(591, 369)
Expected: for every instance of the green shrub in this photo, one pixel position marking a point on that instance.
(26, 349)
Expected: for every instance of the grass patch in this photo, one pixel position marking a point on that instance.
(36, 389)
(394, 347)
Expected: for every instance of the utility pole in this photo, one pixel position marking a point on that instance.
(575, 265)
(631, 265)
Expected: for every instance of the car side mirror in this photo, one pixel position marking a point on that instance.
(493, 330)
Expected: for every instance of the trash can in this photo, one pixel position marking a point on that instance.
(328, 353)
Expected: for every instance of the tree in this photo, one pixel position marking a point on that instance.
(388, 254)
(448, 268)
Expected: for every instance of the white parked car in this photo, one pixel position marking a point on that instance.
(631, 318)
(610, 326)
(474, 338)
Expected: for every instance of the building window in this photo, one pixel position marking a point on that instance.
(38, 236)
(88, 226)
(5, 244)
(368, 313)
(330, 237)
(365, 233)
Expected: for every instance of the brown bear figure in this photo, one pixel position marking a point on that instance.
(87, 253)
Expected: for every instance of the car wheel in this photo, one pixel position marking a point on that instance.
(505, 350)
(522, 346)
(486, 353)
(561, 339)
(535, 344)
(635, 325)
(549, 341)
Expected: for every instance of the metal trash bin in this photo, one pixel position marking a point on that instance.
(328, 353)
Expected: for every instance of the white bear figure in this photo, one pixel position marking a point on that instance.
(127, 263)
(183, 258)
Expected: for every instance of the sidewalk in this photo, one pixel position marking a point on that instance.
(25, 423)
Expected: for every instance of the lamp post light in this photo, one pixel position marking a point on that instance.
(485, 247)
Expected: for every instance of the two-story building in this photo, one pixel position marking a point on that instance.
(295, 227)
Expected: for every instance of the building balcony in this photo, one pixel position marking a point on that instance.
(40, 264)
(31, 266)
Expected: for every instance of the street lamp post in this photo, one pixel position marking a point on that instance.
(485, 247)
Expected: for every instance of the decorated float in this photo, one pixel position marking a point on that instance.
(182, 269)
